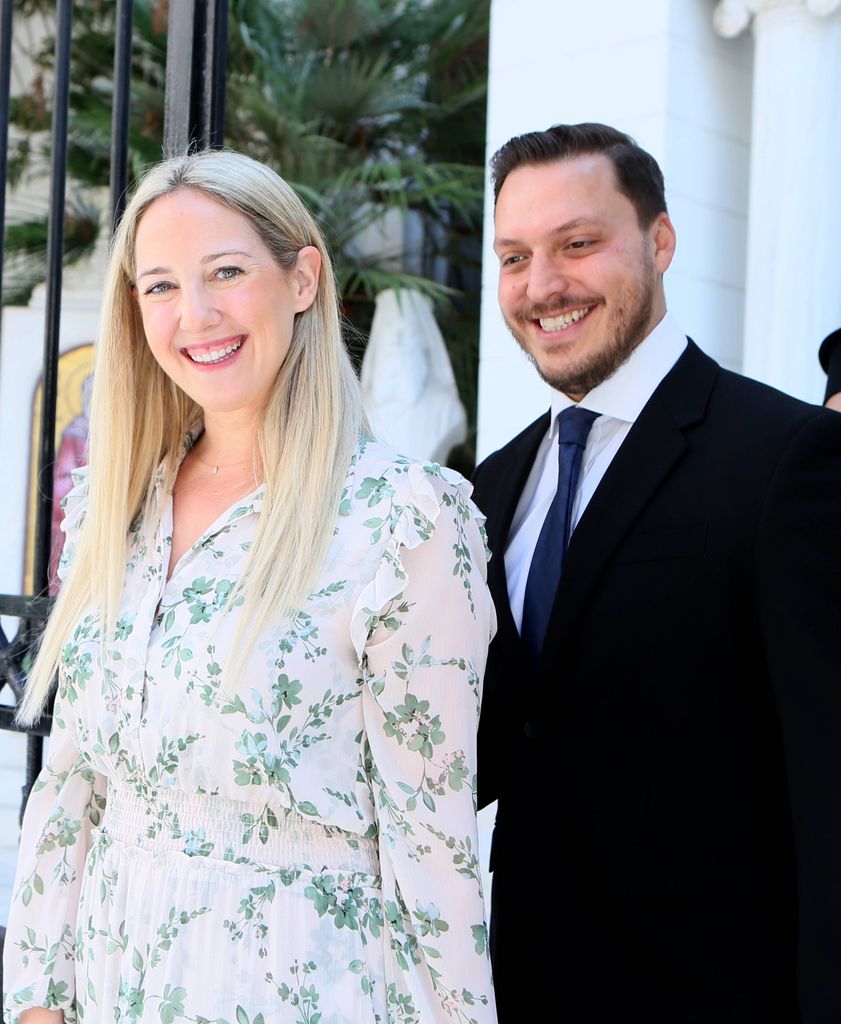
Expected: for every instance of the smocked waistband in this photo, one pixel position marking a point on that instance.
(172, 820)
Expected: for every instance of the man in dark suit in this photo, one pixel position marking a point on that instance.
(662, 711)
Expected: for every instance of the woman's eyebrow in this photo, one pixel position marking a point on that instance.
(204, 259)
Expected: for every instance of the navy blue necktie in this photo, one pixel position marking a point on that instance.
(548, 559)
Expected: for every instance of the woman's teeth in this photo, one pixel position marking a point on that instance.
(560, 323)
(217, 355)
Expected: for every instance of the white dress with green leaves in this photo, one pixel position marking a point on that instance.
(299, 846)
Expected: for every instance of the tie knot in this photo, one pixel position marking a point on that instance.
(574, 425)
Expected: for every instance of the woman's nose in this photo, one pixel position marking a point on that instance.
(197, 311)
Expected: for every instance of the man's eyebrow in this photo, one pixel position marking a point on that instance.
(570, 225)
(205, 259)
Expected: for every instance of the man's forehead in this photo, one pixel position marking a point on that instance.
(564, 193)
(592, 171)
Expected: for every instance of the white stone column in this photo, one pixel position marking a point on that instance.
(793, 282)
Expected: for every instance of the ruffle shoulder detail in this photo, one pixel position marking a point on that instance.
(415, 493)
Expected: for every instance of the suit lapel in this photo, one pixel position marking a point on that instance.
(500, 504)
(652, 448)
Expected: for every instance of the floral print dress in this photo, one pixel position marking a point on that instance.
(300, 845)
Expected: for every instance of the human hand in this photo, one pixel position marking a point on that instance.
(41, 1016)
(834, 401)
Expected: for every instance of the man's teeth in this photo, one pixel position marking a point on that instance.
(560, 323)
(215, 356)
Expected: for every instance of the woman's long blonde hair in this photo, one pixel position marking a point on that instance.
(139, 418)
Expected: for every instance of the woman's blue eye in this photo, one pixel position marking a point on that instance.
(158, 289)
(228, 273)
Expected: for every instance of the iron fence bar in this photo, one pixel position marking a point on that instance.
(6, 11)
(179, 104)
(216, 67)
(55, 255)
(25, 606)
(40, 730)
(120, 109)
(196, 61)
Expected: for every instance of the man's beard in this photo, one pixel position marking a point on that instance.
(628, 326)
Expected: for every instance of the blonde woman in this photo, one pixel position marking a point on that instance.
(259, 799)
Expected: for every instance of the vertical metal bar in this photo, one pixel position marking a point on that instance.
(216, 67)
(55, 254)
(120, 109)
(6, 10)
(196, 64)
(179, 101)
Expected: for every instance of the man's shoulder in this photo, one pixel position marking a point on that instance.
(759, 406)
(513, 451)
(731, 400)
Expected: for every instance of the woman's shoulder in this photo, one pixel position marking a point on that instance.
(389, 493)
(379, 473)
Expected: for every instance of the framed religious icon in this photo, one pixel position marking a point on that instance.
(75, 377)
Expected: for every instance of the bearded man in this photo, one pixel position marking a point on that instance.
(662, 713)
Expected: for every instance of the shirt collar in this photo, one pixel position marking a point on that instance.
(623, 395)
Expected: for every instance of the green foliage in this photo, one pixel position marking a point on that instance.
(364, 106)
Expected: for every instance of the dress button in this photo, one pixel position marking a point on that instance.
(530, 729)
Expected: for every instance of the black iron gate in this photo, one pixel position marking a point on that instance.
(193, 118)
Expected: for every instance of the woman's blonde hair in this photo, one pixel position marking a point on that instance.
(139, 418)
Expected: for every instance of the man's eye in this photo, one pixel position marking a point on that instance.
(509, 260)
(579, 243)
(228, 273)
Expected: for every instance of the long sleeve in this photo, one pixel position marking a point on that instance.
(66, 801)
(429, 618)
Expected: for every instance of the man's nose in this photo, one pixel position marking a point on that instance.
(197, 311)
(546, 278)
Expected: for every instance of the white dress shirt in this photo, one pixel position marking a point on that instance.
(619, 400)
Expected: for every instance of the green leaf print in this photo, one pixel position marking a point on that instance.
(172, 1004)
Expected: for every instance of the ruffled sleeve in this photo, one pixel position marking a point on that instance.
(421, 628)
(74, 505)
(67, 800)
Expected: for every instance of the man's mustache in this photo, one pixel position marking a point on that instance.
(547, 309)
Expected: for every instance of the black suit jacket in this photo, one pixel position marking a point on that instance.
(668, 837)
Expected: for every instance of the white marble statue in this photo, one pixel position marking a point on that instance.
(407, 380)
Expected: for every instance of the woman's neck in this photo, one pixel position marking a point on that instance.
(227, 441)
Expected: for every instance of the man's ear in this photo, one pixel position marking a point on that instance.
(305, 276)
(665, 241)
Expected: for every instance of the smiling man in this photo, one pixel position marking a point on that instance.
(662, 714)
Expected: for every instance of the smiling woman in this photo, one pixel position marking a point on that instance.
(270, 643)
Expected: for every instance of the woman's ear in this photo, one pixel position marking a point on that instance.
(305, 276)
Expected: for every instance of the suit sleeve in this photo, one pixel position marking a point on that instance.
(798, 570)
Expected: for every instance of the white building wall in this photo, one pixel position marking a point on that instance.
(656, 69)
